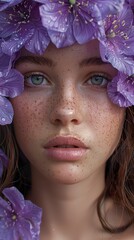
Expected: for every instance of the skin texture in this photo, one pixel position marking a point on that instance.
(68, 103)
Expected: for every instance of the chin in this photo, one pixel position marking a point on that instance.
(66, 175)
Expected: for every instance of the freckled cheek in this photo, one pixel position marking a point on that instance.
(105, 122)
(109, 130)
(29, 116)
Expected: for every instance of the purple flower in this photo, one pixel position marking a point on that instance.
(19, 218)
(8, 3)
(5, 60)
(109, 6)
(131, 2)
(80, 20)
(121, 90)
(117, 47)
(21, 26)
(11, 85)
(3, 162)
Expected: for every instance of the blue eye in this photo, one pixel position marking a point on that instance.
(36, 79)
(98, 80)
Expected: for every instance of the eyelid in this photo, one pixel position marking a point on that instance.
(106, 77)
(29, 74)
(34, 73)
(103, 74)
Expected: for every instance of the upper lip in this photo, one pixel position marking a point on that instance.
(65, 140)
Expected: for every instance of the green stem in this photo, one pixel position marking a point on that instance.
(72, 1)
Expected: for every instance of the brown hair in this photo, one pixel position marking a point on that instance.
(119, 174)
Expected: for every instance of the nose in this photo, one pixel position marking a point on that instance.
(66, 108)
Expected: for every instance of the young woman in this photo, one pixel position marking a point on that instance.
(70, 169)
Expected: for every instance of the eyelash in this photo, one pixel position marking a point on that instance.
(99, 75)
(28, 79)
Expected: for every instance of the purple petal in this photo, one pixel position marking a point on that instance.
(62, 39)
(6, 30)
(15, 43)
(4, 205)
(12, 84)
(121, 90)
(115, 47)
(88, 23)
(8, 3)
(6, 111)
(109, 6)
(34, 219)
(112, 54)
(26, 224)
(55, 16)
(6, 63)
(23, 29)
(35, 44)
(15, 198)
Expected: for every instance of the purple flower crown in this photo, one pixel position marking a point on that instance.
(33, 24)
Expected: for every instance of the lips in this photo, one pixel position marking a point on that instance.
(65, 148)
(65, 142)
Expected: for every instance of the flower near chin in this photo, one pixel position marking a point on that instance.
(11, 85)
(117, 46)
(20, 219)
(20, 26)
(8, 3)
(3, 162)
(121, 90)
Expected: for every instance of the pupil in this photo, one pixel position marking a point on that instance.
(36, 79)
(97, 80)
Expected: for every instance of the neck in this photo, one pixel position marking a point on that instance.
(68, 208)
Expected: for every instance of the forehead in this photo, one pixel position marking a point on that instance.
(90, 49)
(73, 57)
(75, 51)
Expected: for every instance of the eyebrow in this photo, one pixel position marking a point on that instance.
(36, 60)
(41, 60)
(92, 61)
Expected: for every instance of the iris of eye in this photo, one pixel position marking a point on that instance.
(98, 80)
(37, 79)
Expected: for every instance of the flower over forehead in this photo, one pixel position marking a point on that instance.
(8, 3)
(20, 26)
(80, 18)
(19, 218)
(117, 45)
(121, 90)
(109, 7)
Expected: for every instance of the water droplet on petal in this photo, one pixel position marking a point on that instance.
(3, 119)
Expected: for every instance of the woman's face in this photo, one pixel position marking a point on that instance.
(64, 122)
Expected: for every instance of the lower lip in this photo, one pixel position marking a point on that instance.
(65, 154)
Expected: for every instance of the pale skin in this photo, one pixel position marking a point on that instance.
(69, 103)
